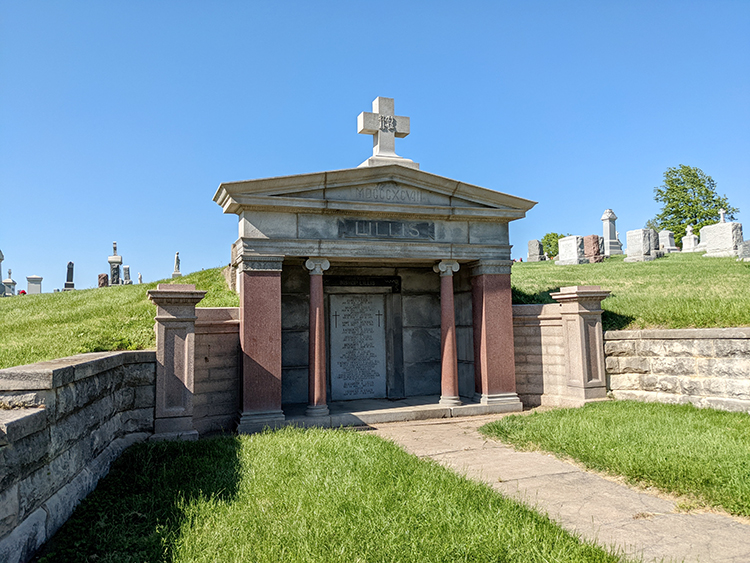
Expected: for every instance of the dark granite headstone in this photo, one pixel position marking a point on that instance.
(114, 274)
(69, 281)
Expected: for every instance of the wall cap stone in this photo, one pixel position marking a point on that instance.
(679, 334)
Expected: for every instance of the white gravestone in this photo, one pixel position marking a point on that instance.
(570, 251)
(358, 355)
(2, 285)
(33, 284)
(612, 244)
(689, 241)
(643, 245)
(721, 239)
(666, 241)
(384, 127)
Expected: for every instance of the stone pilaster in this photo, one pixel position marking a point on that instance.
(584, 341)
(175, 353)
(317, 351)
(260, 339)
(448, 352)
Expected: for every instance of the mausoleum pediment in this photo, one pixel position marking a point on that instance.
(383, 189)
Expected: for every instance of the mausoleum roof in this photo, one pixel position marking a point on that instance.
(389, 189)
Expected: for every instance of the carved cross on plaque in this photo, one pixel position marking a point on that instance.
(384, 127)
(336, 318)
(378, 315)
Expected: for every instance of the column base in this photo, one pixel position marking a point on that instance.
(317, 410)
(253, 421)
(450, 401)
(496, 398)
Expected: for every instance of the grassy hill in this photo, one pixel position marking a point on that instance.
(54, 325)
(677, 291)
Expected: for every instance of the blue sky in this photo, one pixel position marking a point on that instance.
(119, 119)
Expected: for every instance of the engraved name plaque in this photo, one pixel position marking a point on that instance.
(357, 329)
(366, 228)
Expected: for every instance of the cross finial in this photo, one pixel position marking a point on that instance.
(722, 213)
(384, 126)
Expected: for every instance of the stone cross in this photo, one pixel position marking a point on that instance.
(689, 230)
(384, 126)
(114, 248)
(722, 213)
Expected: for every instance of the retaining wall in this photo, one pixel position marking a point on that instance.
(705, 367)
(62, 423)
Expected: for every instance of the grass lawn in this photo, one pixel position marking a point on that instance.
(301, 495)
(677, 291)
(54, 325)
(703, 454)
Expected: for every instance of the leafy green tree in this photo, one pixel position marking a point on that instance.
(688, 197)
(549, 243)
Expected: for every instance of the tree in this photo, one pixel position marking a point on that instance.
(549, 243)
(688, 197)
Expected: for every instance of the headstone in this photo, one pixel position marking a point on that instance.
(358, 352)
(114, 266)
(689, 241)
(592, 249)
(743, 252)
(140, 278)
(176, 273)
(103, 280)
(666, 241)
(721, 239)
(2, 285)
(69, 285)
(126, 275)
(570, 251)
(10, 285)
(536, 253)
(384, 127)
(643, 245)
(33, 284)
(612, 244)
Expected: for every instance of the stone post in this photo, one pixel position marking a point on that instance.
(317, 350)
(583, 341)
(449, 356)
(260, 339)
(175, 355)
(494, 356)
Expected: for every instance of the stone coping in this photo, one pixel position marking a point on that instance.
(678, 334)
(55, 373)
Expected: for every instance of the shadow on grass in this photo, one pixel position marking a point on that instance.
(136, 512)
(615, 321)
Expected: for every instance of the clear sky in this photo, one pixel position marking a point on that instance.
(119, 119)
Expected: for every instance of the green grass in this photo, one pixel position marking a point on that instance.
(677, 291)
(703, 454)
(301, 495)
(54, 325)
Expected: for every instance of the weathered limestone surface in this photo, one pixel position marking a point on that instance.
(705, 367)
(721, 239)
(62, 423)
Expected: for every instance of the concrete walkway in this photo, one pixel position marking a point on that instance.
(639, 523)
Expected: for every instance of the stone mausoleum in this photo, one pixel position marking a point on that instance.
(379, 282)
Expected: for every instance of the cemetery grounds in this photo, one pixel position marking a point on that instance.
(313, 495)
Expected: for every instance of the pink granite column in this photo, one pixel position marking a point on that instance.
(448, 352)
(260, 339)
(317, 350)
(494, 358)
(175, 360)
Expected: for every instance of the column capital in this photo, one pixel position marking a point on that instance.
(251, 263)
(482, 267)
(446, 267)
(317, 266)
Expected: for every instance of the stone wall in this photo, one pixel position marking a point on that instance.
(62, 423)
(705, 367)
(216, 400)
